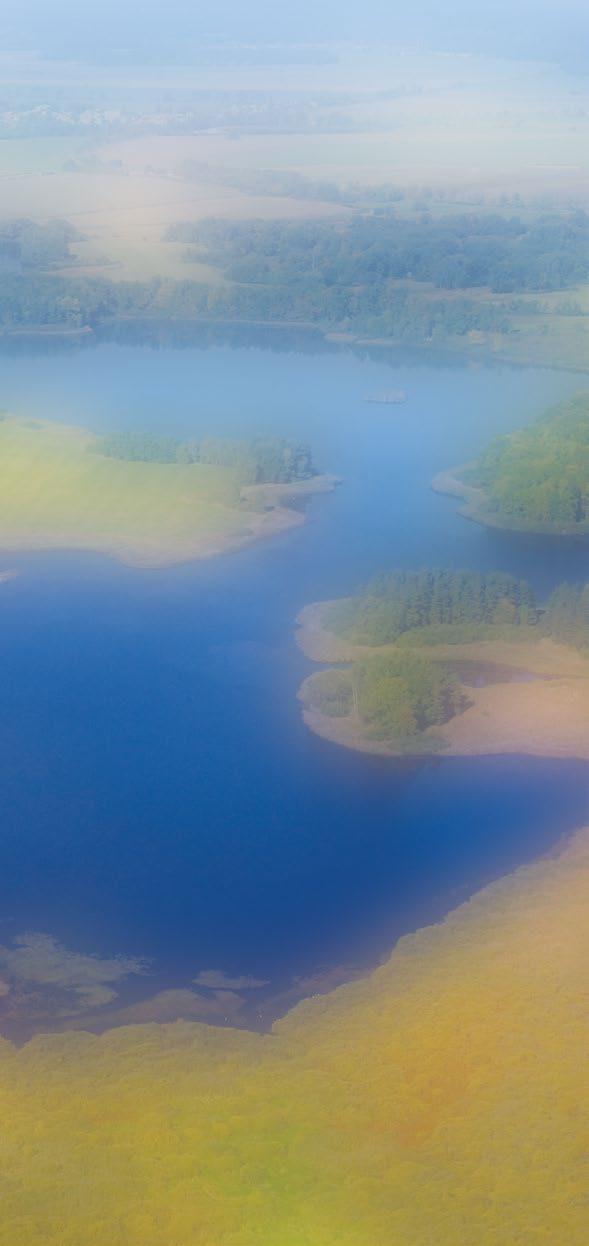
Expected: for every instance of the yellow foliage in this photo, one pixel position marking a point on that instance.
(441, 1101)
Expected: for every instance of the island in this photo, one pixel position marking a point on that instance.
(149, 501)
(450, 662)
(535, 480)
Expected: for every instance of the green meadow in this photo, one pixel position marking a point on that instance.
(56, 491)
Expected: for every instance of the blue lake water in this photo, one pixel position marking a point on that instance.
(161, 796)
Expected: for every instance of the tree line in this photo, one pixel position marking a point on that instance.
(446, 606)
(258, 460)
(402, 601)
(459, 252)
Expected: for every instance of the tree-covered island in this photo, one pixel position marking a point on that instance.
(146, 499)
(535, 480)
(450, 660)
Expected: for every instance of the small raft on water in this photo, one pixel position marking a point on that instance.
(391, 398)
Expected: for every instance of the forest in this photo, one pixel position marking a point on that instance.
(540, 474)
(401, 602)
(566, 617)
(27, 244)
(475, 283)
(439, 606)
(257, 460)
(502, 253)
(38, 299)
(416, 279)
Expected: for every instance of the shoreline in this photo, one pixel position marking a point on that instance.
(276, 518)
(545, 717)
(475, 508)
(471, 354)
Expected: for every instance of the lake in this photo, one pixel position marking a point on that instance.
(161, 797)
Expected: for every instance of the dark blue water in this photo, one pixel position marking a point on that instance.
(160, 794)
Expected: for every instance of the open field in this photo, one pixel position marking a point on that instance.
(56, 493)
(472, 129)
(122, 218)
(439, 1099)
(425, 148)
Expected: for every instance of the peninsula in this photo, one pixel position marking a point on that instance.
(495, 674)
(535, 480)
(147, 501)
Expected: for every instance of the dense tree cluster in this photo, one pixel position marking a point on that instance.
(445, 606)
(259, 460)
(37, 300)
(541, 474)
(402, 601)
(566, 617)
(406, 279)
(26, 244)
(453, 252)
(397, 696)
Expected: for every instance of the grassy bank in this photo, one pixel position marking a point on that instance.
(55, 493)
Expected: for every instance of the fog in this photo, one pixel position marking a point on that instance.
(543, 29)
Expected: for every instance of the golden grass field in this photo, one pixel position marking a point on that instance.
(55, 493)
(440, 1101)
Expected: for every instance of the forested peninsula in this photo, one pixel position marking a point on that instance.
(149, 501)
(535, 480)
(453, 662)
